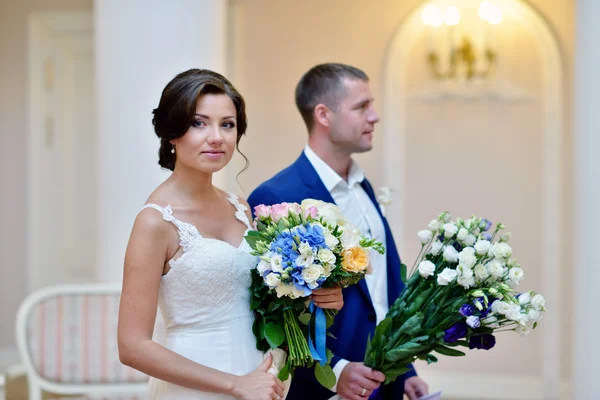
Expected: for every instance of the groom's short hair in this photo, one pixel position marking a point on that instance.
(323, 84)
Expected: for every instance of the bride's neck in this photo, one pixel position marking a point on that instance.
(193, 183)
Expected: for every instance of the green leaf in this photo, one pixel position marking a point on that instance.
(331, 335)
(254, 303)
(403, 272)
(406, 350)
(412, 326)
(284, 373)
(274, 334)
(392, 373)
(447, 351)
(261, 226)
(304, 318)
(329, 355)
(431, 359)
(325, 375)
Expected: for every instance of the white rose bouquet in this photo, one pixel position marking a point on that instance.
(302, 247)
(462, 289)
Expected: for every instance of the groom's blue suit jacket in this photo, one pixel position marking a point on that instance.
(357, 319)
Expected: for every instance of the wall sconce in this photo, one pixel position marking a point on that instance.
(462, 56)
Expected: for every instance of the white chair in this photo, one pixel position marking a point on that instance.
(2, 387)
(67, 340)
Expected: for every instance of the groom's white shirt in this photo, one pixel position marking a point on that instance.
(360, 210)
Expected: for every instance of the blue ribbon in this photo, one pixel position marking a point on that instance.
(318, 351)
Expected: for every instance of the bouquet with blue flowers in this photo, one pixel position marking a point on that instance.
(461, 290)
(302, 247)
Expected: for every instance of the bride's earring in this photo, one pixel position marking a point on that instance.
(173, 149)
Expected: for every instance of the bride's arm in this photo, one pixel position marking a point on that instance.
(150, 245)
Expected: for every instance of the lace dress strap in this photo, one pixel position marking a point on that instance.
(187, 232)
(240, 210)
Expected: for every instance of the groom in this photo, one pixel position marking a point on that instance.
(336, 104)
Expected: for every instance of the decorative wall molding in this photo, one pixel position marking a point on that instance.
(395, 92)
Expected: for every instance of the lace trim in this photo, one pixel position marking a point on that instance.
(188, 233)
(240, 210)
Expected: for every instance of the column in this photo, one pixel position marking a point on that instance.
(140, 46)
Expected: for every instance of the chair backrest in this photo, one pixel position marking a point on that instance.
(67, 339)
(2, 387)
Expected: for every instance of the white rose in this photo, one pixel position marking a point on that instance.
(284, 290)
(506, 237)
(305, 249)
(304, 260)
(350, 237)
(482, 247)
(263, 266)
(295, 293)
(450, 230)
(426, 269)
(272, 280)
(495, 268)
(538, 302)
(332, 214)
(330, 240)
(277, 263)
(311, 274)
(435, 225)
(502, 250)
(467, 281)
(515, 274)
(502, 307)
(524, 298)
(425, 236)
(447, 276)
(513, 315)
(534, 316)
(491, 322)
(523, 330)
(326, 256)
(462, 235)
(450, 254)
(470, 240)
(473, 321)
(467, 257)
(436, 247)
(327, 268)
(481, 272)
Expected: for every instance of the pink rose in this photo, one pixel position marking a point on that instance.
(311, 212)
(262, 212)
(279, 211)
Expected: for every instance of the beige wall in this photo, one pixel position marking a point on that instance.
(13, 144)
(277, 41)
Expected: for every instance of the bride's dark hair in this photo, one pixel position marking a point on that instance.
(177, 108)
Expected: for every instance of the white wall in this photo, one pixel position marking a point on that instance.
(13, 157)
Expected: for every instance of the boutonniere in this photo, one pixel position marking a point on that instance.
(384, 198)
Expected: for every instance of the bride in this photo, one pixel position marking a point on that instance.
(187, 255)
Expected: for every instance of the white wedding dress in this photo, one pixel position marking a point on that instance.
(205, 304)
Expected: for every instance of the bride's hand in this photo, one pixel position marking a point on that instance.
(328, 298)
(259, 385)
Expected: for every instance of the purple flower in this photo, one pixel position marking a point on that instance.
(482, 342)
(485, 224)
(467, 310)
(456, 332)
(487, 237)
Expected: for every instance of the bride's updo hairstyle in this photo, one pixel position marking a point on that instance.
(177, 108)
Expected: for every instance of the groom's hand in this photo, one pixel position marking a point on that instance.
(328, 298)
(357, 382)
(415, 387)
